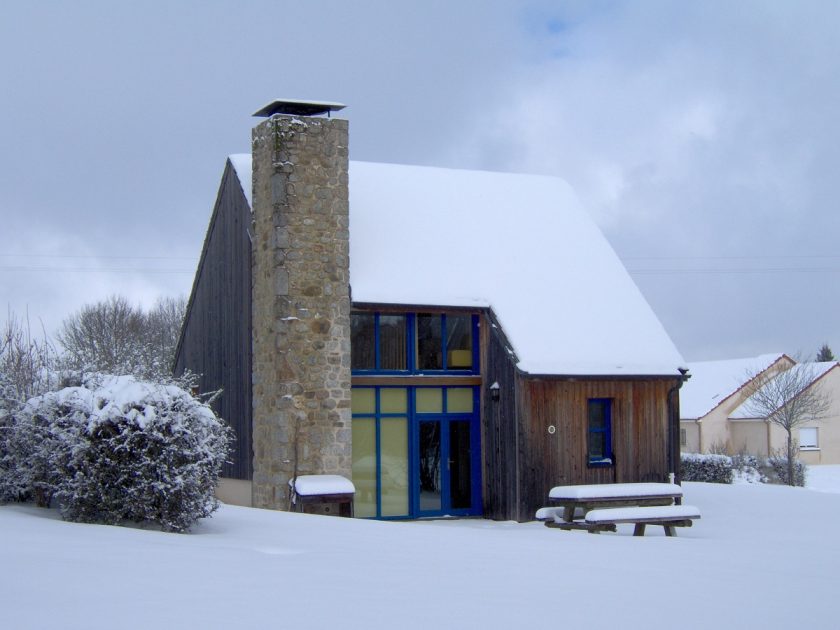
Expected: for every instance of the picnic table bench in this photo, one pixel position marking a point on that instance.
(597, 508)
(669, 516)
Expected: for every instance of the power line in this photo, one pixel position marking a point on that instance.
(94, 270)
(800, 257)
(734, 271)
(94, 257)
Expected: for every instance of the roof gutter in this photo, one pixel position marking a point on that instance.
(674, 427)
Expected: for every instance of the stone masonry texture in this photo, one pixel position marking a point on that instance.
(301, 303)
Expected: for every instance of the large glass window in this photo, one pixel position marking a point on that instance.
(380, 451)
(415, 451)
(413, 342)
(600, 431)
(378, 342)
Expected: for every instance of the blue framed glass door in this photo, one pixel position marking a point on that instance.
(445, 463)
(416, 451)
(446, 452)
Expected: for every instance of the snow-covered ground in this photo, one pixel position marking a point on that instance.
(823, 478)
(761, 556)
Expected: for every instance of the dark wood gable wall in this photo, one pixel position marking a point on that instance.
(499, 439)
(216, 336)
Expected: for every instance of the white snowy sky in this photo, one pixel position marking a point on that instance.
(702, 136)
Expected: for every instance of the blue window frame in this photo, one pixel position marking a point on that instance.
(599, 418)
(414, 343)
(416, 451)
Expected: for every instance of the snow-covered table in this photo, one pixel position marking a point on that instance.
(609, 495)
(323, 489)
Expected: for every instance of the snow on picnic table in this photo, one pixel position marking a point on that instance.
(615, 490)
(756, 552)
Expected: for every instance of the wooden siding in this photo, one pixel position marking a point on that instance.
(499, 424)
(639, 435)
(216, 337)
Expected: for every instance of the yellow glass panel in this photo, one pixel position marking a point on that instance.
(429, 399)
(394, 462)
(363, 400)
(459, 359)
(364, 466)
(393, 400)
(459, 400)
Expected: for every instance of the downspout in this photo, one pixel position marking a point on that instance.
(674, 427)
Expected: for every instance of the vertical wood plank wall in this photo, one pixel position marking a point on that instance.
(639, 435)
(216, 338)
(522, 461)
(499, 424)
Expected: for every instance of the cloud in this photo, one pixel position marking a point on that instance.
(693, 130)
(689, 129)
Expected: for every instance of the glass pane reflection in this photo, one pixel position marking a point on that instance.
(364, 466)
(429, 342)
(460, 480)
(394, 464)
(430, 486)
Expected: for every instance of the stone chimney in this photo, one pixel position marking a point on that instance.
(300, 298)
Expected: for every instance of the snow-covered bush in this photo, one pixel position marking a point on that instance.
(12, 487)
(778, 463)
(747, 468)
(27, 365)
(124, 450)
(710, 468)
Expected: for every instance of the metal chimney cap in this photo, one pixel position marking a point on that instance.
(296, 107)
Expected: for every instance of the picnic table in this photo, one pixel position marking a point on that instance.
(574, 504)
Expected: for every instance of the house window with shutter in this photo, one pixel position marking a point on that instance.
(809, 439)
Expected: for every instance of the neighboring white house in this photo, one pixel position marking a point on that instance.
(715, 389)
(818, 439)
(715, 413)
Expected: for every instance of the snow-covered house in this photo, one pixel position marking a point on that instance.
(457, 342)
(717, 415)
(818, 439)
(715, 389)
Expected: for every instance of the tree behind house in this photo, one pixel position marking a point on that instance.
(115, 337)
(26, 362)
(788, 399)
(825, 354)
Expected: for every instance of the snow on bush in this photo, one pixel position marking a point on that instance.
(710, 468)
(747, 468)
(122, 450)
(12, 487)
(778, 463)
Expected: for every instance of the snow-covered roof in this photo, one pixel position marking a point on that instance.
(242, 165)
(712, 382)
(519, 244)
(811, 372)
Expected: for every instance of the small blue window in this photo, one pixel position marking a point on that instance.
(599, 411)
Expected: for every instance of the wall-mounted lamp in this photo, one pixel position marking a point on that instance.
(494, 391)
